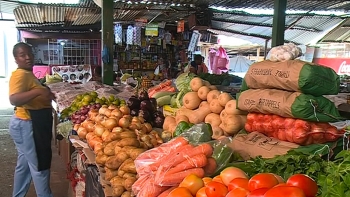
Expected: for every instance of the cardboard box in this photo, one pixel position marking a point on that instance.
(90, 155)
(77, 143)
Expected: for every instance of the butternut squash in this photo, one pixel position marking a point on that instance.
(168, 122)
(213, 94)
(224, 98)
(196, 83)
(231, 108)
(213, 119)
(204, 104)
(232, 124)
(203, 92)
(191, 100)
(180, 118)
(198, 115)
(215, 106)
(223, 114)
(217, 132)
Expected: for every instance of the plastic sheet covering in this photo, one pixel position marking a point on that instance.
(93, 187)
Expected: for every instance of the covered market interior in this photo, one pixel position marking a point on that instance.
(185, 97)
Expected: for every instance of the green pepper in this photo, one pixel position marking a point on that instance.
(181, 127)
(222, 155)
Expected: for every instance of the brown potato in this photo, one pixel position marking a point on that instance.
(101, 159)
(122, 156)
(111, 137)
(126, 194)
(128, 166)
(110, 174)
(109, 148)
(128, 182)
(121, 173)
(117, 181)
(117, 149)
(135, 152)
(113, 163)
(118, 190)
(129, 142)
(127, 175)
(127, 134)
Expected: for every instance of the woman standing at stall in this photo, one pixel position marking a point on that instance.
(31, 125)
(197, 66)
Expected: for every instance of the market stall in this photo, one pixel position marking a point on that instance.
(192, 137)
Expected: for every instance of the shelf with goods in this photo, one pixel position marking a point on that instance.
(141, 58)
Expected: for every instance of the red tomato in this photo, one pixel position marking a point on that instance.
(304, 182)
(238, 192)
(238, 183)
(262, 180)
(279, 178)
(281, 184)
(285, 191)
(258, 192)
(216, 189)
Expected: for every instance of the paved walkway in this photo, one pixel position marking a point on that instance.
(8, 156)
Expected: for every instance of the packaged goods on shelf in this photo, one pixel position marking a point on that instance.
(288, 104)
(294, 76)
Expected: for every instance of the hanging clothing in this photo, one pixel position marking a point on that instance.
(137, 36)
(129, 35)
(118, 34)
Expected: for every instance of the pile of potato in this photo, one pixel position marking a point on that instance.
(117, 159)
(117, 142)
(207, 104)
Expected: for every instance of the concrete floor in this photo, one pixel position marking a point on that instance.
(8, 156)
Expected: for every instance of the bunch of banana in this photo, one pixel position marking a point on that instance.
(163, 98)
(55, 78)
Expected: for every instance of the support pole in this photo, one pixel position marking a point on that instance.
(265, 49)
(279, 22)
(107, 40)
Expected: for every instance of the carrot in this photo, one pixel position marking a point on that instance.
(211, 166)
(198, 161)
(176, 178)
(161, 163)
(164, 148)
(167, 192)
(167, 88)
(189, 152)
(172, 89)
(160, 86)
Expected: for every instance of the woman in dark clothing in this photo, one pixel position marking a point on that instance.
(31, 125)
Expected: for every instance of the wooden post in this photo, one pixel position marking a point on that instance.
(279, 22)
(107, 40)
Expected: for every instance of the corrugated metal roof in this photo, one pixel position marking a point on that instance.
(341, 33)
(306, 5)
(258, 28)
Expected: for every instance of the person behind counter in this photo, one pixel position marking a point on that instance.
(30, 126)
(197, 66)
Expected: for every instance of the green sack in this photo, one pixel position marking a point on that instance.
(294, 76)
(288, 105)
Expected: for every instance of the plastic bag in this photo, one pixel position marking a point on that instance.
(284, 52)
(292, 130)
(167, 165)
(198, 133)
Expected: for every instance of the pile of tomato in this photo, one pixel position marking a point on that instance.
(233, 182)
